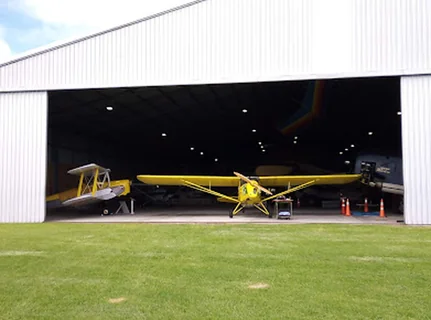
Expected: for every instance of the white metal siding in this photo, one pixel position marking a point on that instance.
(241, 41)
(416, 139)
(23, 146)
(391, 36)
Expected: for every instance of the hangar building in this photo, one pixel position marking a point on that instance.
(195, 62)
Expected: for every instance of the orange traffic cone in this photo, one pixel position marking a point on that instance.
(382, 209)
(348, 208)
(366, 205)
(343, 206)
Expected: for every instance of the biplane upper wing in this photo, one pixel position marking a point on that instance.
(87, 169)
(282, 181)
(207, 181)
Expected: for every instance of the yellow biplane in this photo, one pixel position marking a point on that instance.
(250, 189)
(94, 186)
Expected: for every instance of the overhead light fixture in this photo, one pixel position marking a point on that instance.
(295, 142)
(341, 152)
(296, 138)
(254, 130)
(399, 113)
(244, 110)
(352, 146)
(346, 149)
(202, 153)
(263, 150)
(109, 108)
(370, 133)
(163, 134)
(191, 148)
(215, 159)
(260, 142)
(347, 162)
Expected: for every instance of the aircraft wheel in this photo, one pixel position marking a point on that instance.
(231, 214)
(105, 212)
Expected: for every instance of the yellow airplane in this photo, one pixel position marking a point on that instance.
(95, 185)
(249, 189)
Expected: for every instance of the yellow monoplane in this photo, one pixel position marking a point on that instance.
(250, 189)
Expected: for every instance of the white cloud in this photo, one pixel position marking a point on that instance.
(5, 51)
(92, 14)
(61, 20)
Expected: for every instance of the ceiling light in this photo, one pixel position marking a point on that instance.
(341, 152)
(109, 108)
(352, 146)
(263, 150)
(244, 110)
(260, 142)
(163, 134)
(346, 149)
(254, 130)
(347, 162)
(191, 148)
(399, 113)
(202, 153)
(296, 138)
(215, 159)
(370, 133)
(295, 142)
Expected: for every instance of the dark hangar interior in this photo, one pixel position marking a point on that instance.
(220, 128)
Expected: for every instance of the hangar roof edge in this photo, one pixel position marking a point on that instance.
(63, 43)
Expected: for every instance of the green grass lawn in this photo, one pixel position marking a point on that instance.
(72, 271)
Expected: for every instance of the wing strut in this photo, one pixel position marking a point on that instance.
(211, 192)
(301, 186)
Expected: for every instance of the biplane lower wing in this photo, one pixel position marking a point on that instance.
(233, 181)
(100, 195)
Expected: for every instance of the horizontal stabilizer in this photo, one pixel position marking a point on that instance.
(227, 200)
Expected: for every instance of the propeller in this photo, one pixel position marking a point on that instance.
(239, 175)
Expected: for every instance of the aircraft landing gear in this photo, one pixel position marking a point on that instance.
(237, 210)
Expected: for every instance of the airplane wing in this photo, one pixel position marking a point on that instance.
(87, 169)
(208, 181)
(233, 181)
(282, 181)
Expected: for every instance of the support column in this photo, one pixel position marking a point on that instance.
(416, 140)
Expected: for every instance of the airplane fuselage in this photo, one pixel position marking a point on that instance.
(384, 172)
(248, 194)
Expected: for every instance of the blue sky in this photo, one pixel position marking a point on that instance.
(28, 24)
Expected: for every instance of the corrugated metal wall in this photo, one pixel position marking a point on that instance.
(241, 40)
(416, 139)
(23, 148)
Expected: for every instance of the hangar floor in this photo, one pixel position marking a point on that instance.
(219, 214)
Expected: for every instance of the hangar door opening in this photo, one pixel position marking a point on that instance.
(257, 129)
